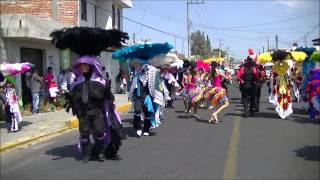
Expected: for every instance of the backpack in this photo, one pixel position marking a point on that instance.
(249, 76)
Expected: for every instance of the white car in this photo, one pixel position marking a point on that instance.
(268, 67)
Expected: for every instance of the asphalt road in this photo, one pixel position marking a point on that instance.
(260, 147)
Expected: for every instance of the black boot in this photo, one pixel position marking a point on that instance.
(97, 152)
(86, 152)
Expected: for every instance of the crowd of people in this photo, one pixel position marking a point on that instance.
(157, 77)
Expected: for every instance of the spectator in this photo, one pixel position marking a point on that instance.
(123, 82)
(52, 87)
(36, 83)
(28, 97)
(62, 81)
(70, 78)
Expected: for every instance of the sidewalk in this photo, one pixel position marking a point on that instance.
(44, 124)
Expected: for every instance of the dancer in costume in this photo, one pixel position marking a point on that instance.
(171, 85)
(146, 92)
(184, 91)
(248, 77)
(280, 95)
(261, 78)
(91, 99)
(313, 88)
(192, 92)
(216, 94)
(12, 110)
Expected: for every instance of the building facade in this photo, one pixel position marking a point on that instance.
(26, 25)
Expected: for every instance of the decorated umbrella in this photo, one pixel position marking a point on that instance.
(214, 59)
(164, 60)
(142, 51)
(16, 68)
(202, 65)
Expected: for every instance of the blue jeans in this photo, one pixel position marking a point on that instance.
(35, 101)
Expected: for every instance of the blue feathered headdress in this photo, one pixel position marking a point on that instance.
(142, 51)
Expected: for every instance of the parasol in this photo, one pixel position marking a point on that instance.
(202, 65)
(142, 51)
(163, 60)
(16, 68)
(213, 59)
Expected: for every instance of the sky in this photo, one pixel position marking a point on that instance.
(236, 24)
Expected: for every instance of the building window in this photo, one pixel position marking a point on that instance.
(119, 18)
(113, 16)
(84, 10)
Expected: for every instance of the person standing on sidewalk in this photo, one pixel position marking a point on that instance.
(36, 83)
(50, 79)
(70, 78)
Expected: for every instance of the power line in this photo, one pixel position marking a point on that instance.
(161, 11)
(273, 22)
(150, 27)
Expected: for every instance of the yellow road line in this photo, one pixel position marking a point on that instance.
(71, 124)
(230, 166)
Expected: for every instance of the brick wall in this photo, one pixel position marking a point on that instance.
(67, 10)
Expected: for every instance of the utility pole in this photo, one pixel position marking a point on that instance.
(262, 48)
(305, 41)
(188, 21)
(277, 39)
(220, 45)
(134, 37)
(175, 44)
(182, 44)
(268, 43)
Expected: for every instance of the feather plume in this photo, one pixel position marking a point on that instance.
(264, 58)
(86, 40)
(315, 56)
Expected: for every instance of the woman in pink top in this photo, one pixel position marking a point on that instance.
(52, 85)
(217, 95)
(192, 92)
(184, 91)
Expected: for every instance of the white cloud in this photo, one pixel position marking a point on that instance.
(295, 3)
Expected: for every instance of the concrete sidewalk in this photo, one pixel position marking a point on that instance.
(45, 124)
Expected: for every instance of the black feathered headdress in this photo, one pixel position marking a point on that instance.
(88, 41)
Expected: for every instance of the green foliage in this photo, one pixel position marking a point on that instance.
(200, 45)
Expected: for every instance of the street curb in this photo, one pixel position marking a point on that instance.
(71, 124)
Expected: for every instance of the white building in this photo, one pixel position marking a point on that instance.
(26, 25)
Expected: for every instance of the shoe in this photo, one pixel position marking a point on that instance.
(146, 134)
(139, 132)
(100, 157)
(85, 159)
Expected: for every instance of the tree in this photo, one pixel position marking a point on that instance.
(215, 52)
(200, 45)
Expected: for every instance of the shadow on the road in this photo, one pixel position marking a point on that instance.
(234, 114)
(21, 125)
(270, 115)
(310, 153)
(127, 120)
(67, 151)
(184, 117)
(304, 120)
(132, 132)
